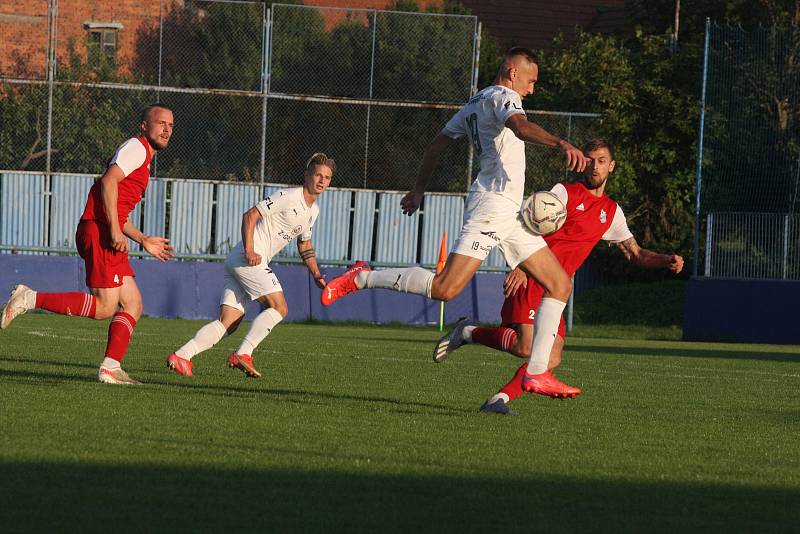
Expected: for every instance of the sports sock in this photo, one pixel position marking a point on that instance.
(119, 335)
(110, 363)
(261, 327)
(499, 396)
(81, 304)
(545, 329)
(501, 338)
(467, 333)
(205, 338)
(409, 280)
(513, 389)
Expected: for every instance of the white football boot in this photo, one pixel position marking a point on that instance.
(22, 299)
(115, 376)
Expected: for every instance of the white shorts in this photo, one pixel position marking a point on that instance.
(491, 220)
(244, 284)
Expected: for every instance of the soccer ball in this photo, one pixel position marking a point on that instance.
(543, 213)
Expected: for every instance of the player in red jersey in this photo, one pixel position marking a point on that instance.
(591, 216)
(101, 240)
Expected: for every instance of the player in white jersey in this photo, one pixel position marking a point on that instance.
(497, 127)
(266, 228)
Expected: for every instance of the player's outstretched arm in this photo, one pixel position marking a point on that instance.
(533, 133)
(413, 199)
(309, 256)
(647, 259)
(158, 247)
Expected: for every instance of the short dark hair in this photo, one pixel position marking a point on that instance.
(596, 144)
(515, 51)
(147, 109)
(321, 159)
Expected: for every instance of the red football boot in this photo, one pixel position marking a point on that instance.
(549, 385)
(180, 365)
(343, 284)
(243, 362)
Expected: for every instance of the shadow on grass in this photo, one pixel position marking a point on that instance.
(49, 497)
(280, 395)
(777, 356)
(303, 396)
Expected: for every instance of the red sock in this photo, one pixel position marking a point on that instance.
(119, 335)
(497, 338)
(81, 304)
(514, 388)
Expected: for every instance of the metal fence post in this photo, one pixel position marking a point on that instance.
(785, 246)
(369, 105)
(699, 168)
(51, 74)
(476, 59)
(709, 243)
(266, 58)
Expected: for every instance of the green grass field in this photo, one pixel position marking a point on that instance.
(353, 428)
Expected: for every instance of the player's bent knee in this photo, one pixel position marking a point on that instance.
(281, 308)
(561, 289)
(445, 294)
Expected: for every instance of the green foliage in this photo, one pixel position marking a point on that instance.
(644, 304)
(649, 119)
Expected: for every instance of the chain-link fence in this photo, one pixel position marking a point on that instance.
(254, 90)
(749, 154)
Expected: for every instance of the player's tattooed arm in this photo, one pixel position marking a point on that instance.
(309, 257)
(647, 259)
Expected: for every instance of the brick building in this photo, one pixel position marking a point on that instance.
(108, 28)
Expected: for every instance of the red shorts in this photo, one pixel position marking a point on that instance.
(520, 308)
(105, 267)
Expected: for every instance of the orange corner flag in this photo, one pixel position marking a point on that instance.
(442, 253)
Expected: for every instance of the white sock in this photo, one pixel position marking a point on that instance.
(409, 280)
(545, 329)
(30, 299)
(205, 338)
(110, 363)
(467, 333)
(261, 327)
(498, 396)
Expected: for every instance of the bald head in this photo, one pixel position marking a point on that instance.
(519, 71)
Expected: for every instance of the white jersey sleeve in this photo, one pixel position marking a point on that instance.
(618, 231)
(129, 156)
(274, 203)
(455, 127)
(561, 192)
(306, 235)
(506, 105)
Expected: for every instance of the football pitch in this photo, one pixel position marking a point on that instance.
(353, 428)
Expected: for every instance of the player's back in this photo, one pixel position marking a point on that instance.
(500, 153)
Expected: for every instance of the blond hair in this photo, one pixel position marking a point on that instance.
(320, 158)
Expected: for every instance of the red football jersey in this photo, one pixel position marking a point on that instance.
(589, 218)
(129, 191)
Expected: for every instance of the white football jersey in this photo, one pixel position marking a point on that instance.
(501, 153)
(284, 216)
